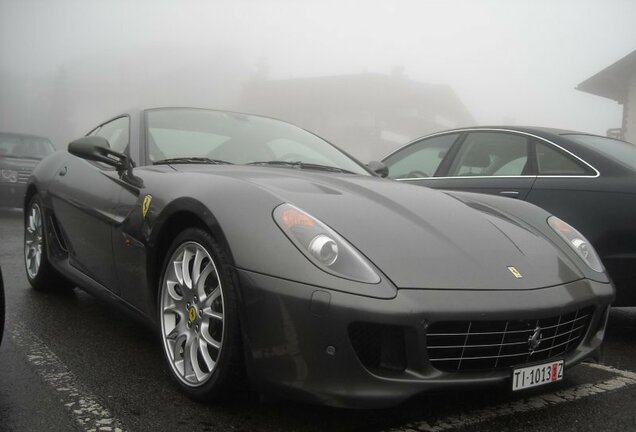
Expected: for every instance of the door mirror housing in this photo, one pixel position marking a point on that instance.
(96, 148)
(378, 168)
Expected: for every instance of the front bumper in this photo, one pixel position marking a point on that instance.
(298, 343)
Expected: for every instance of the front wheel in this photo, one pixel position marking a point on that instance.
(198, 317)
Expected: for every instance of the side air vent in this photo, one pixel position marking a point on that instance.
(57, 235)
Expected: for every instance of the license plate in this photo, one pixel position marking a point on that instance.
(537, 375)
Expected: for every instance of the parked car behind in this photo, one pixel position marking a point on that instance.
(19, 154)
(587, 180)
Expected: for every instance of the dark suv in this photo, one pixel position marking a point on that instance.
(19, 154)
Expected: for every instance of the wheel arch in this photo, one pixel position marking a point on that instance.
(30, 192)
(177, 216)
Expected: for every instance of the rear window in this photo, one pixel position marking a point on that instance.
(620, 152)
(551, 161)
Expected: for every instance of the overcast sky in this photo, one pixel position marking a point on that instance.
(508, 61)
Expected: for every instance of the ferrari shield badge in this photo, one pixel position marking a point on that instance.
(515, 272)
(192, 314)
(146, 205)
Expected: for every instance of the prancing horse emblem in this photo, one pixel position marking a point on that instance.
(535, 340)
(516, 273)
(146, 205)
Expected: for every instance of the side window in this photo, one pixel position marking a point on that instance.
(491, 154)
(420, 159)
(552, 161)
(116, 132)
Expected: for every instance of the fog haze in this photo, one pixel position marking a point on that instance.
(67, 65)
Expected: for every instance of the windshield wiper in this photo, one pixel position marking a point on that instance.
(302, 165)
(192, 160)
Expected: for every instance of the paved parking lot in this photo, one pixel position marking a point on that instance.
(71, 362)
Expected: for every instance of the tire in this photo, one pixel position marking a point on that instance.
(39, 271)
(198, 316)
(1, 306)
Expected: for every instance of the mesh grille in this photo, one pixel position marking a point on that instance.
(23, 175)
(485, 345)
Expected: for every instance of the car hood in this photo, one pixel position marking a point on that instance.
(419, 237)
(18, 163)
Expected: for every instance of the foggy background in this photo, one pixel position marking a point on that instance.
(368, 75)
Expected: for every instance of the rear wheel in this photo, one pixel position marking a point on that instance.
(198, 317)
(40, 273)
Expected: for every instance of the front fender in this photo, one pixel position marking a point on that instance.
(239, 215)
(44, 174)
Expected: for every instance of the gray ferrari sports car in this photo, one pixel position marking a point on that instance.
(264, 255)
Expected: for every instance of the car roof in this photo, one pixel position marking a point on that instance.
(21, 135)
(559, 136)
(538, 130)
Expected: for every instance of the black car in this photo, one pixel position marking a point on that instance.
(1, 306)
(19, 154)
(259, 250)
(587, 180)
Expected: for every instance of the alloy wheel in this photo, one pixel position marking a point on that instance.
(192, 314)
(33, 241)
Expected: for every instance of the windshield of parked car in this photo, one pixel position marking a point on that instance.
(24, 147)
(621, 152)
(174, 133)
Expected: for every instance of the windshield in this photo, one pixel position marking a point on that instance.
(621, 152)
(238, 139)
(24, 147)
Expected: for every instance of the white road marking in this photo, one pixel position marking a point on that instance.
(91, 416)
(621, 380)
(83, 406)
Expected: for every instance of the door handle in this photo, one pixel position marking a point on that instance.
(63, 172)
(511, 194)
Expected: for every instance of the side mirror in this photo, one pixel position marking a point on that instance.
(97, 149)
(378, 168)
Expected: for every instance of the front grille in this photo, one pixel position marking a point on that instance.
(23, 175)
(485, 345)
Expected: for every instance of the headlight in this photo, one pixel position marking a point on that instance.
(7, 175)
(323, 246)
(577, 241)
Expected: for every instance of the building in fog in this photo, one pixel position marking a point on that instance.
(618, 82)
(366, 114)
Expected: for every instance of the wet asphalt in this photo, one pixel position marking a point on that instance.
(118, 361)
